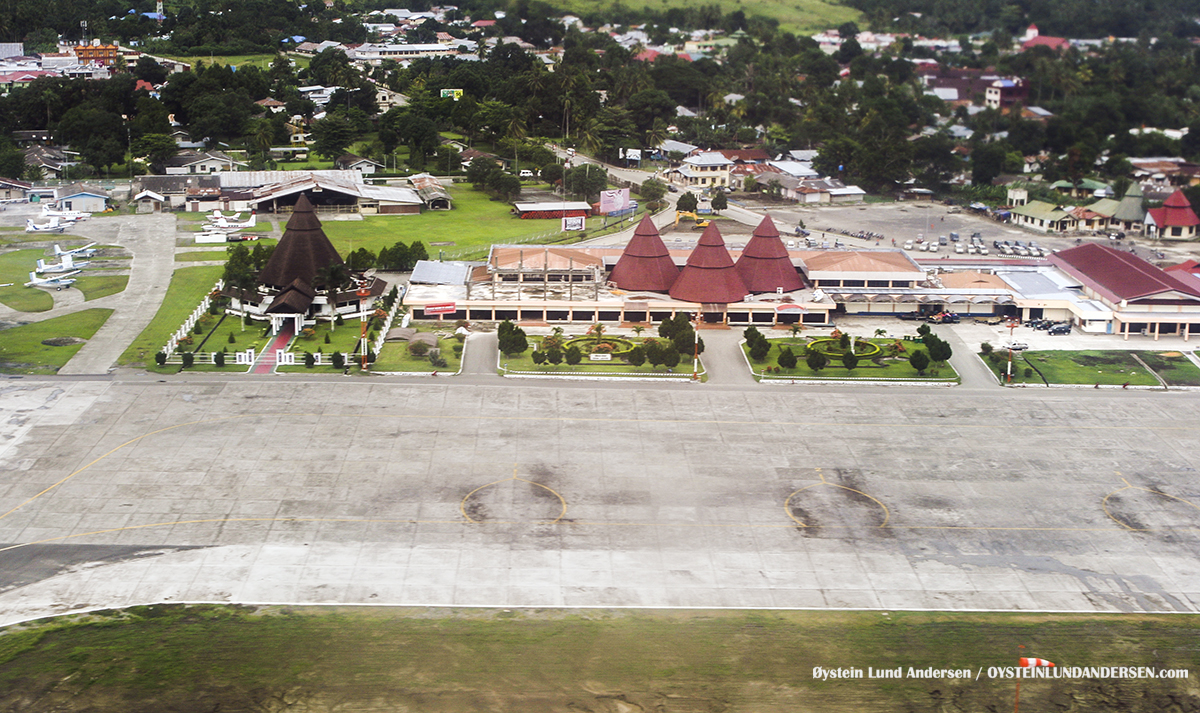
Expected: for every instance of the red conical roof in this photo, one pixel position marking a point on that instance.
(302, 251)
(1178, 211)
(645, 264)
(765, 265)
(709, 275)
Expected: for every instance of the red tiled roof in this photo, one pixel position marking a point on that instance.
(745, 155)
(1176, 211)
(645, 263)
(709, 275)
(1054, 43)
(1119, 275)
(764, 264)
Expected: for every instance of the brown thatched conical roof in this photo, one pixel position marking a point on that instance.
(765, 264)
(302, 251)
(645, 264)
(709, 275)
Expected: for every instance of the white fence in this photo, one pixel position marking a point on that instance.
(190, 323)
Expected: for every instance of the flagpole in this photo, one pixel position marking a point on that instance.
(1017, 702)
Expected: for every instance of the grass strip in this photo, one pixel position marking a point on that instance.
(189, 285)
(22, 350)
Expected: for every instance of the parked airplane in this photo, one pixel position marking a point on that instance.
(69, 215)
(57, 283)
(68, 263)
(85, 251)
(51, 227)
(224, 224)
(218, 215)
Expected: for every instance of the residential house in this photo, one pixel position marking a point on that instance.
(1086, 188)
(1003, 93)
(272, 105)
(96, 53)
(200, 162)
(387, 99)
(11, 189)
(671, 145)
(1043, 217)
(1175, 220)
(702, 170)
(350, 162)
(52, 161)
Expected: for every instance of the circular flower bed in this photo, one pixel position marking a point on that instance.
(832, 348)
(591, 345)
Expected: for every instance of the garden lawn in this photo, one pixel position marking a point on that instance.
(1019, 365)
(344, 338)
(475, 223)
(93, 288)
(215, 338)
(22, 350)
(879, 367)
(15, 267)
(1089, 367)
(189, 285)
(1174, 368)
(523, 362)
(395, 356)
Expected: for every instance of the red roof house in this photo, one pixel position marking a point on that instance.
(1175, 219)
(645, 264)
(765, 265)
(709, 275)
(1055, 43)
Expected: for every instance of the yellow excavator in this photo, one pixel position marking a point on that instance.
(701, 223)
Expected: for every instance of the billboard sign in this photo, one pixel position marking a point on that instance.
(614, 200)
(573, 222)
(454, 94)
(441, 308)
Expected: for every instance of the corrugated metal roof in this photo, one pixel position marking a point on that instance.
(430, 272)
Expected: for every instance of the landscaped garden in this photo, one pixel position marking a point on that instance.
(597, 353)
(1091, 367)
(419, 356)
(44, 347)
(844, 356)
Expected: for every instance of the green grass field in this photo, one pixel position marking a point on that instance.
(475, 223)
(22, 350)
(15, 267)
(201, 256)
(524, 362)
(1084, 367)
(262, 61)
(93, 288)
(188, 287)
(543, 660)
(801, 16)
(1173, 367)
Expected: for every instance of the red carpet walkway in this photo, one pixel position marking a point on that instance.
(266, 361)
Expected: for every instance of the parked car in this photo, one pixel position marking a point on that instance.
(908, 245)
(526, 173)
(1060, 329)
(910, 316)
(1016, 346)
(943, 240)
(958, 248)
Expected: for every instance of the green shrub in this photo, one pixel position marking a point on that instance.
(160, 358)
(1028, 372)
(986, 348)
(219, 358)
(309, 360)
(759, 349)
(232, 339)
(199, 328)
(458, 349)
(339, 360)
(786, 359)
(188, 359)
(636, 356)
(326, 337)
(573, 355)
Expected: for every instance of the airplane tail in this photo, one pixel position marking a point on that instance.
(58, 250)
(253, 220)
(41, 265)
(68, 262)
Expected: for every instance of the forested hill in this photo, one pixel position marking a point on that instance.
(1061, 18)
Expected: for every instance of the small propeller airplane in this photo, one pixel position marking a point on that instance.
(85, 251)
(57, 282)
(51, 227)
(227, 225)
(68, 215)
(68, 263)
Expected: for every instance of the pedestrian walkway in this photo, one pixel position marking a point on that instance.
(265, 364)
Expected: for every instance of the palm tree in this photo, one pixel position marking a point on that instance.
(656, 134)
(880, 333)
(795, 329)
(637, 330)
(588, 135)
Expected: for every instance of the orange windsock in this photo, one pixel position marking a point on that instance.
(1032, 663)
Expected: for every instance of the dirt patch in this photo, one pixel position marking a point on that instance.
(63, 341)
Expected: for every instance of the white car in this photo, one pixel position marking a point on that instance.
(1016, 346)
(983, 250)
(971, 250)
(933, 247)
(924, 247)
(958, 249)
(908, 245)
